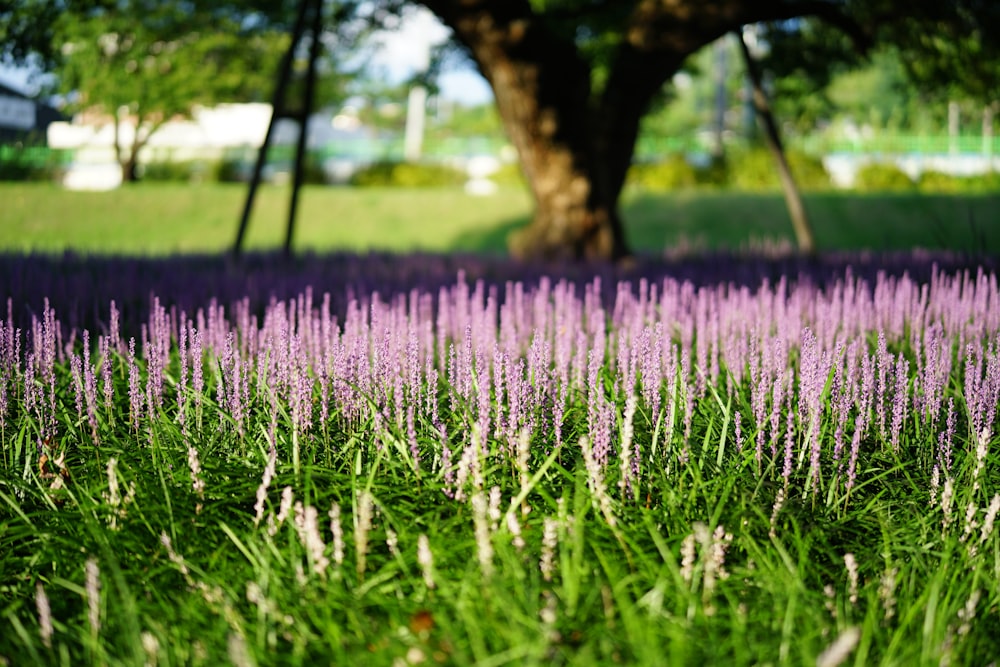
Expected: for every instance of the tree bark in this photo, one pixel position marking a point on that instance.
(543, 94)
(130, 169)
(127, 161)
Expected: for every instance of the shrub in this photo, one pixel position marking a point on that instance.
(313, 172)
(229, 170)
(939, 182)
(715, 173)
(408, 175)
(173, 171)
(509, 174)
(30, 163)
(756, 170)
(237, 170)
(673, 173)
(882, 177)
(18, 171)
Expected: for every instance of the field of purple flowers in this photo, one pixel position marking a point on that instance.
(433, 461)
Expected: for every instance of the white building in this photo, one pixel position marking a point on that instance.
(208, 135)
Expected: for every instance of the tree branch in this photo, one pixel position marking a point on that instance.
(831, 14)
(687, 26)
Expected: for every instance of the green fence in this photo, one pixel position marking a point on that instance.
(902, 144)
(377, 149)
(652, 147)
(36, 161)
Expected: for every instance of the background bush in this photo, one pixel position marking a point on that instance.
(755, 170)
(24, 165)
(882, 177)
(751, 170)
(408, 175)
(673, 173)
(938, 182)
(177, 171)
(228, 170)
(509, 174)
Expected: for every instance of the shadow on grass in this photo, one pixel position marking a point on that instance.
(718, 220)
(490, 240)
(863, 235)
(80, 288)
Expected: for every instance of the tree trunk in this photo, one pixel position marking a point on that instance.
(576, 215)
(545, 107)
(130, 169)
(127, 160)
(542, 90)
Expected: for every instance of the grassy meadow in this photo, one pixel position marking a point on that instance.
(536, 471)
(167, 218)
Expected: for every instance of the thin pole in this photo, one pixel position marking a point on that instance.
(277, 109)
(793, 200)
(307, 106)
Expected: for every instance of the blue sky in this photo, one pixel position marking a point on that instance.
(403, 52)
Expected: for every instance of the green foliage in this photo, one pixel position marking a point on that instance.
(158, 63)
(509, 174)
(228, 170)
(882, 177)
(466, 121)
(175, 171)
(28, 163)
(877, 93)
(755, 170)
(19, 171)
(803, 57)
(938, 182)
(673, 173)
(408, 175)
(958, 56)
(744, 170)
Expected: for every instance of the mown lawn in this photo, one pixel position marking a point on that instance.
(168, 218)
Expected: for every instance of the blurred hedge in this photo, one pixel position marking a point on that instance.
(673, 173)
(748, 170)
(408, 175)
(509, 174)
(220, 171)
(175, 171)
(938, 182)
(22, 163)
(882, 177)
(756, 170)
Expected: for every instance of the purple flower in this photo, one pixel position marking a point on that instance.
(134, 392)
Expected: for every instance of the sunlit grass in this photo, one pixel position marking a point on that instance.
(168, 218)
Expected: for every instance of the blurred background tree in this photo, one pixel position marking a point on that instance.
(144, 63)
